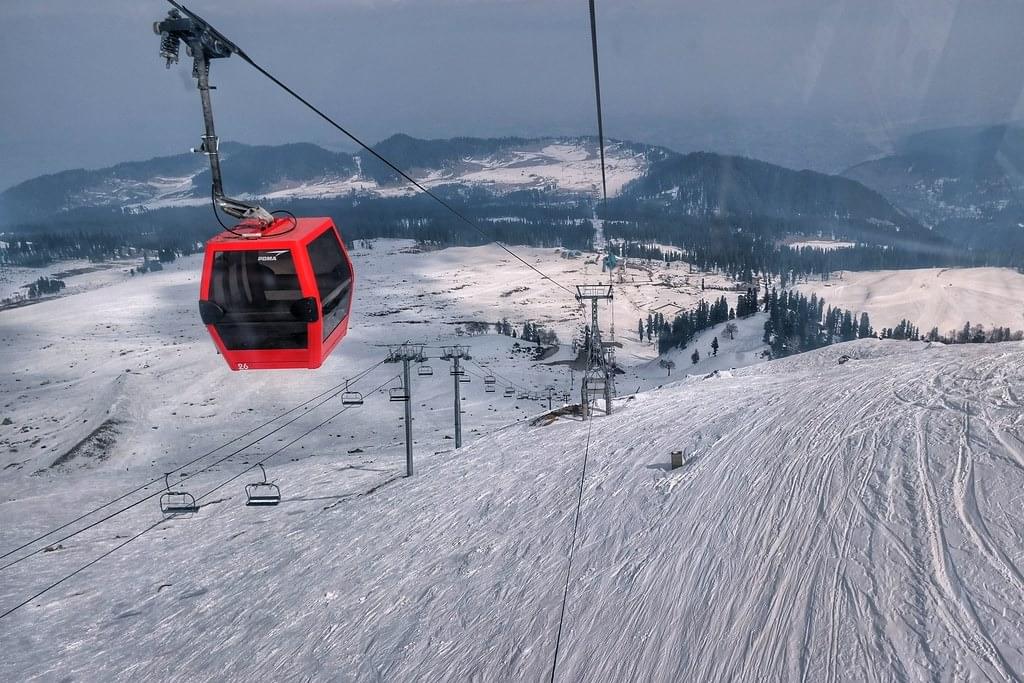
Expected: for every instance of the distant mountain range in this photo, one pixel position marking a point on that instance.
(966, 183)
(719, 185)
(304, 171)
(694, 184)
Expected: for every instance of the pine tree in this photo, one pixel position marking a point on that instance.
(640, 329)
(864, 329)
(695, 357)
(846, 329)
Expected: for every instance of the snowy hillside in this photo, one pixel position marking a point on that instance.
(929, 297)
(867, 532)
(856, 520)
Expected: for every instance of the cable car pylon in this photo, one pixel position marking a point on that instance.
(598, 378)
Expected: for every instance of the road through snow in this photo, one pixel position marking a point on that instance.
(835, 521)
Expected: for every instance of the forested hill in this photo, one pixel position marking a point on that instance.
(704, 184)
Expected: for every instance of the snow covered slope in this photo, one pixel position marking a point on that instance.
(836, 521)
(854, 521)
(929, 297)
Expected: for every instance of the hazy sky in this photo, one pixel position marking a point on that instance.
(813, 82)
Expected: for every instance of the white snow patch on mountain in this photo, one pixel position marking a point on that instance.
(563, 166)
(823, 245)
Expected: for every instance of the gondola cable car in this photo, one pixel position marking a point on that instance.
(276, 292)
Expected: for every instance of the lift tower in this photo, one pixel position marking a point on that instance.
(455, 354)
(598, 378)
(405, 354)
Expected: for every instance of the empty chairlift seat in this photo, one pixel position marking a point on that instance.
(262, 493)
(279, 298)
(176, 502)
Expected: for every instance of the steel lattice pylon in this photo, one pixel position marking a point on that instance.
(598, 378)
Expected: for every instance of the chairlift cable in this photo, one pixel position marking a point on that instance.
(290, 443)
(82, 568)
(184, 478)
(158, 522)
(158, 479)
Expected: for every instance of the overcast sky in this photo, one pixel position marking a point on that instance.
(787, 80)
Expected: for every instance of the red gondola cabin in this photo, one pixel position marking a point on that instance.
(277, 298)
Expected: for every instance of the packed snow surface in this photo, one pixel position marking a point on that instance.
(854, 513)
(929, 297)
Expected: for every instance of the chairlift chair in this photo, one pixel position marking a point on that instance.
(509, 392)
(465, 379)
(425, 371)
(351, 398)
(489, 388)
(522, 396)
(262, 493)
(398, 394)
(176, 502)
(489, 379)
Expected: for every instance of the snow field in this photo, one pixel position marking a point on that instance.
(941, 297)
(854, 521)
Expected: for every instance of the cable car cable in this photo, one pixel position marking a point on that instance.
(245, 57)
(597, 91)
(572, 551)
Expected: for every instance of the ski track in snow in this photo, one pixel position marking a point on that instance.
(860, 521)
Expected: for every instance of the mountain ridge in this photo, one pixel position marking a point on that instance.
(552, 165)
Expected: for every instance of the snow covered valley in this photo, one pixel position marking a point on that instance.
(853, 513)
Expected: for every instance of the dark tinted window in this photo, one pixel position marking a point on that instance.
(333, 279)
(256, 289)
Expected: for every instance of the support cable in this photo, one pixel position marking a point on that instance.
(158, 522)
(184, 478)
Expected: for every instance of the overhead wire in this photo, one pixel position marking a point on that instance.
(368, 148)
(572, 550)
(190, 475)
(157, 480)
(597, 93)
(586, 450)
(207, 494)
(290, 443)
(82, 568)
